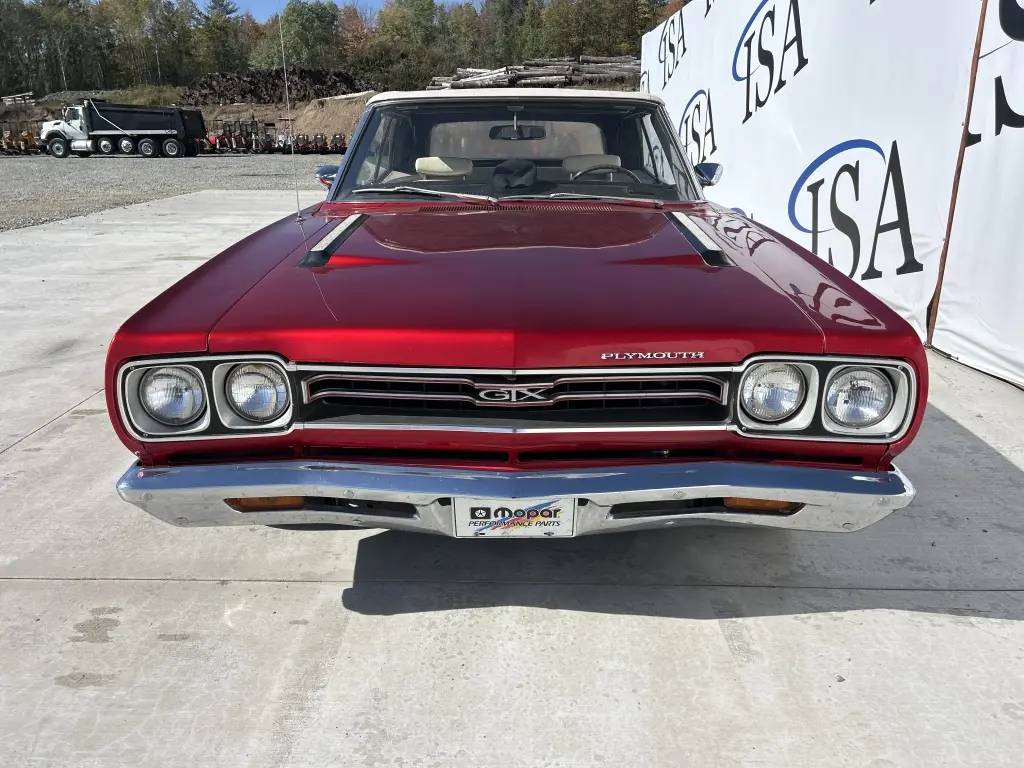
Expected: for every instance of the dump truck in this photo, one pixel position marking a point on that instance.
(98, 126)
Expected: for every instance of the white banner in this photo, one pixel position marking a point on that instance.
(839, 123)
(981, 312)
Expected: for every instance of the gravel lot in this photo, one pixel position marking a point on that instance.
(35, 190)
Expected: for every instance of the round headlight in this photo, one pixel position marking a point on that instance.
(859, 398)
(773, 392)
(257, 392)
(172, 396)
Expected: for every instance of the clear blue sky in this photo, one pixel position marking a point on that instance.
(264, 9)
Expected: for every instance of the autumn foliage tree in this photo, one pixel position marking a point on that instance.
(51, 45)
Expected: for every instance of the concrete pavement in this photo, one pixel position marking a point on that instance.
(125, 642)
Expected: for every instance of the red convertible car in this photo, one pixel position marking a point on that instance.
(515, 315)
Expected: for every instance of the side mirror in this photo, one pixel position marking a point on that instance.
(325, 174)
(708, 174)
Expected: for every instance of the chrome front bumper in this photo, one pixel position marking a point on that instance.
(834, 499)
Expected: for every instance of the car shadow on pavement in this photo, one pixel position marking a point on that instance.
(956, 551)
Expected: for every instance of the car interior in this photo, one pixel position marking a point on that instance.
(608, 149)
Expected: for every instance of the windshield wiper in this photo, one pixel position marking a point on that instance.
(403, 190)
(577, 196)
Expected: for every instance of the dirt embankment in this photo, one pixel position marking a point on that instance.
(326, 116)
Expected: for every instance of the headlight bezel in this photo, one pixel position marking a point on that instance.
(216, 422)
(817, 426)
(138, 415)
(800, 419)
(226, 411)
(896, 421)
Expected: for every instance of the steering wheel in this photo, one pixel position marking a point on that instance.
(612, 168)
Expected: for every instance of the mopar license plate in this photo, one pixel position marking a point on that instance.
(521, 518)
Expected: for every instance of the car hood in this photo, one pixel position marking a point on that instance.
(532, 286)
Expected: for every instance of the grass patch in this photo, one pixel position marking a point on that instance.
(145, 95)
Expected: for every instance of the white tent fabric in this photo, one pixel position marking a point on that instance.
(981, 312)
(838, 123)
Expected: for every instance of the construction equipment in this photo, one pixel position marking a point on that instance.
(8, 145)
(339, 144)
(30, 143)
(96, 125)
(18, 137)
(267, 139)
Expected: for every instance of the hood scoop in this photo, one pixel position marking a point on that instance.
(701, 241)
(320, 254)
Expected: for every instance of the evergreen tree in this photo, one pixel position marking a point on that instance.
(220, 37)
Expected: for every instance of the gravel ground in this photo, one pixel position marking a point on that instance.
(34, 190)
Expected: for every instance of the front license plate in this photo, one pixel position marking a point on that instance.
(522, 518)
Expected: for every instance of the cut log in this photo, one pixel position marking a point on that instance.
(606, 59)
(546, 72)
(545, 81)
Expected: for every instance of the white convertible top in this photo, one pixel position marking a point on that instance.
(512, 94)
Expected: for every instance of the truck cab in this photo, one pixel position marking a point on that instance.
(74, 123)
(69, 134)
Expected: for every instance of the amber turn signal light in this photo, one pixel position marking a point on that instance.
(267, 503)
(764, 506)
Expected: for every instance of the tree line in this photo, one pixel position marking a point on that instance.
(60, 45)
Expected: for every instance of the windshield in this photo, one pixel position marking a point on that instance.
(535, 149)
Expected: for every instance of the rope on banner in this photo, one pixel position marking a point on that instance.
(933, 308)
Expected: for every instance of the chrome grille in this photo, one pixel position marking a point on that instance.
(514, 391)
(585, 397)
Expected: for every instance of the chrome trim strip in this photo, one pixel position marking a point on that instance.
(335, 233)
(497, 430)
(547, 384)
(192, 357)
(834, 500)
(147, 132)
(469, 428)
(692, 227)
(357, 394)
(610, 370)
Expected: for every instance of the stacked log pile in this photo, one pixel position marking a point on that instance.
(551, 73)
(267, 86)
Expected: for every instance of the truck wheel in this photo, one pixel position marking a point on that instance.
(173, 148)
(125, 145)
(147, 148)
(105, 146)
(58, 147)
